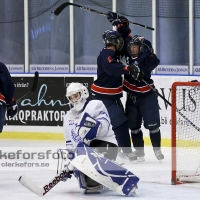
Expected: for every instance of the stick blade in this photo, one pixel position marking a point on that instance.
(61, 8)
(35, 81)
(30, 185)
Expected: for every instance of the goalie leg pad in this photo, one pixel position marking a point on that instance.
(104, 171)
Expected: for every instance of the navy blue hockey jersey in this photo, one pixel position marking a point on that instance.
(124, 52)
(146, 63)
(6, 84)
(109, 82)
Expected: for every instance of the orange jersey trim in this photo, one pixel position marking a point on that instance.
(109, 59)
(108, 91)
(134, 88)
(2, 98)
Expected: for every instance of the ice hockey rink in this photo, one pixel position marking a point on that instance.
(155, 177)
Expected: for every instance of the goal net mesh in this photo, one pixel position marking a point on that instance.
(186, 131)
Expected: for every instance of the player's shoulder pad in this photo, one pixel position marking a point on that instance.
(94, 104)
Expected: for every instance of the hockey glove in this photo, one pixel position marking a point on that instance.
(147, 47)
(87, 128)
(12, 108)
(136, 73)
(64, 157)
(112, 16)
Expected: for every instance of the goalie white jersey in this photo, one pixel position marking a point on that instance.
(96, 110)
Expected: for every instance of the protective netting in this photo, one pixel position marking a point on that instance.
(13, 10)
(187, 133)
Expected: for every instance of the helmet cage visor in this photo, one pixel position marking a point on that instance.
(74, 97)
(120, 44)
(136, 41)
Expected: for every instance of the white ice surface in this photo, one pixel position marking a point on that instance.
(155, 178)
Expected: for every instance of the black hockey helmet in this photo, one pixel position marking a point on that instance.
(136, 40)
(113, 38)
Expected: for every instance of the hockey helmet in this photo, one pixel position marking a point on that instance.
(136, 40)
(113, 38)
(80, 92)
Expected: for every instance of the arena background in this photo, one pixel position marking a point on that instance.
(40, 115)
(64, 48)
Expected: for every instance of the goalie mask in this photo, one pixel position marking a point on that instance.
(135, 46)
(77, 95)
(113, 38)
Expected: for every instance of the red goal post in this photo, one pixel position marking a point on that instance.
(185, 114)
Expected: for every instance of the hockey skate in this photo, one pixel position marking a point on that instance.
(88, 185)
(158, 154)
(121, 154)
(94, 189)
(131, 156)
(132, 193)
(140, 155)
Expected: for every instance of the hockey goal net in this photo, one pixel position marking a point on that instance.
(185, 132)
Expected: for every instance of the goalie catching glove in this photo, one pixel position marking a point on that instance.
(87, 128)
(136, 73)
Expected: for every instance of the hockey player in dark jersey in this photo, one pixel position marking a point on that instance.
(108, 88)
(142, 103)
(7, 101)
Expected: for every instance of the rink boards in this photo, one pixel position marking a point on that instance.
(40, 115)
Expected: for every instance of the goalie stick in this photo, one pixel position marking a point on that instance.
(64, 5)
(46, 188)
(33, 88)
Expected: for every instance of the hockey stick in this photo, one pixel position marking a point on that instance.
(64, 5)
(177, 110)
(33, 88)
(156, 91)
(48, 186)
(165, 100)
